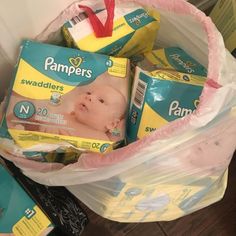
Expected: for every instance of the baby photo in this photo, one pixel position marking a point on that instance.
(98, 113)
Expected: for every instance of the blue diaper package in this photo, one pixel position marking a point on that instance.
(19, 214)
(160, 97)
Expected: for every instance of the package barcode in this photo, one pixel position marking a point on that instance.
(140, 94)
(75, 20)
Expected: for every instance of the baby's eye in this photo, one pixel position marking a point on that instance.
(88, 93)
(101, 100)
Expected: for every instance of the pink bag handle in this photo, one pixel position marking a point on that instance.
(101, 30)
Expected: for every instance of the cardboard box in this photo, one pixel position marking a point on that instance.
(224, 17)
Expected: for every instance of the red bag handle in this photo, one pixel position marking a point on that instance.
(101, 30)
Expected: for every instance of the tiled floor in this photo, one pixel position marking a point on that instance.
(216, 220)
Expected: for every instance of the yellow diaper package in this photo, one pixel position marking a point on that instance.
(141, 203)
(134, 31)
(62, 95)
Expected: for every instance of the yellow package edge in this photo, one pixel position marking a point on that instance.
(118, 67)
(176, 76)
(161, 56)
(147, 124)
(37, 225)
(27, 139)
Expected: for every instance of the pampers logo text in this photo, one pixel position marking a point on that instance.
(137, 19)
(176, 110)
(50, 64)
(186, 65)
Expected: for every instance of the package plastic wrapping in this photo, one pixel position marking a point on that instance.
(179, 168)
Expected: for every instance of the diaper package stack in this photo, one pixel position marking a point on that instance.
(78, 100)
(73, 100)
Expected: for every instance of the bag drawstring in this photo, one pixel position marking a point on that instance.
(101, 30)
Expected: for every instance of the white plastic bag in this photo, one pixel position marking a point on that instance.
(179, 168)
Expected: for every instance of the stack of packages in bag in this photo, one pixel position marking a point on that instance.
(73, 99)
(48, 114)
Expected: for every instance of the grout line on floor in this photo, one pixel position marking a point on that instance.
(162, 229)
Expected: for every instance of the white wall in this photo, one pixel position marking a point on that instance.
(20, 19)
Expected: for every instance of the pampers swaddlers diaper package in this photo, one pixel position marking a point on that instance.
(66, 95)
(134, 30)
(19, 214)
(172, 58)
(160, 97)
